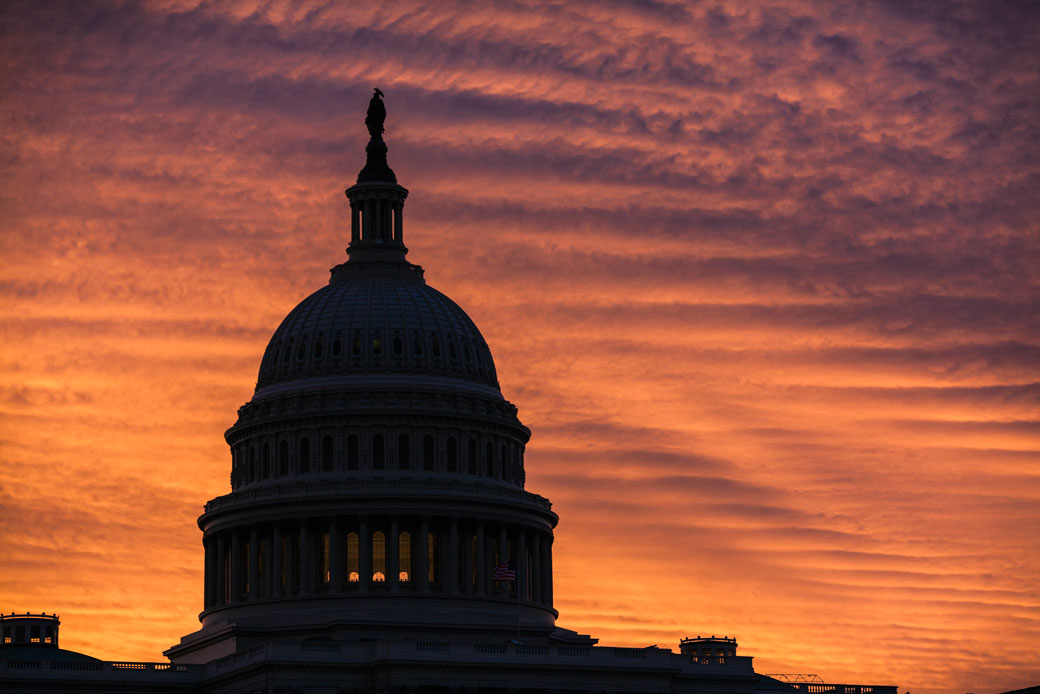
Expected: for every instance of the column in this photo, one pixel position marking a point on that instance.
(222, 591)
(467, 562)
(306, 559)
(393, 557)
(355, 229)
(521, 564)
(209, 573)
(503, 555)
(396, 207)
(236, 567)
(335, 555)
(254, 564)
(481, 561)
(276, 561)
(423, 549)
(536, 570)
(547, 591)
(452, 568)
(364, 555)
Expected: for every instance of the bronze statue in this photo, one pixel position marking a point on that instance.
(376, 115)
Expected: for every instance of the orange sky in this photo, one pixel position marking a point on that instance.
(761, 279)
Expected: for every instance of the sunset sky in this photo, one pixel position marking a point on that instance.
(760, 277)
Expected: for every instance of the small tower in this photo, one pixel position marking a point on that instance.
(30, 629)
(709, 649)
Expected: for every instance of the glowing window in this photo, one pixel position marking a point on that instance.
(404, 556)
(353, 570)
(378, 556)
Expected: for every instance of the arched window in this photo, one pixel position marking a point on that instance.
(502, 459)
(404, 557)
(416, 345)
(435, 345)
(266, 460)
(378, 452)
(403, 453)
(489, 459)
(337, 346)
(305, 454)
(433, 556)
(453, 455)
(378, 556)
(471, 456)
(355, 345)
(428, 459)
(353, 559)
(326, 454)
(352, 452)
(251, 475)
(398, 345)
(283, 458)
(377, 344)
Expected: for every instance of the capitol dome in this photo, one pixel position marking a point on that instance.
(367, 322)
(377, 473)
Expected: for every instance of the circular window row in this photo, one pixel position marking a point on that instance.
(415, 350)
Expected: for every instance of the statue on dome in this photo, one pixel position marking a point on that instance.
(376, 115)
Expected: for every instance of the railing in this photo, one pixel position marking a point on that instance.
(435, 646)
(369, 488)
(820, 687)
(630, 653)
(100, 666)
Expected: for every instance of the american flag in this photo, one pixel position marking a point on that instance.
(506, 571)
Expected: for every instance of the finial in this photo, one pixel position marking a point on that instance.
(376, 168)
(376, 115)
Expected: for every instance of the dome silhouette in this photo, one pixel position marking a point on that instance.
(368, 322)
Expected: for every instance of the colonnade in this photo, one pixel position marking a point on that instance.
(372, 554)
(376, 219)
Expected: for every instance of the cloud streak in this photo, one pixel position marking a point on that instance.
(760, 280)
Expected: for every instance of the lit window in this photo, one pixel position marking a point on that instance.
(353, 571)
(378, 556)
(404, 556)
